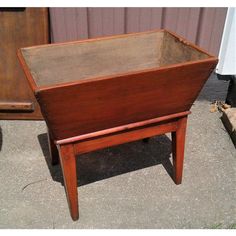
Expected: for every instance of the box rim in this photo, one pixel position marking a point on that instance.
(37, 88)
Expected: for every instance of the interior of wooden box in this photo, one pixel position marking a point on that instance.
(57, 64)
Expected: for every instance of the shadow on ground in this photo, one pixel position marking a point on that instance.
(1, 139)
(114, 161)
(214, 89)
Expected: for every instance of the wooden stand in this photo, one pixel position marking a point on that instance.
(92, 97)
(69, 148)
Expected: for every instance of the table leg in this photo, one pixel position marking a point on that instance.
(68, 164)
(53, 150)
(178, 142)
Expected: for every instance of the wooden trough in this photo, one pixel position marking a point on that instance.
(107, 91)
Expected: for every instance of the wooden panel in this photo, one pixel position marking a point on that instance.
(211, 28)
(174, 51)
(187, 23)
(156, 18)
(201, 25)
(124, 137)
(170, 18)
(60, 63)
(217, 30)
(101, 104)
(132, 20)
(182, 21)
(105, 21)
(205, 28)
(79, 23)
(68, 24)
(193, 24)
(123, 128)
(58, 26)
(74, 61)
(143, 19)
(19, 29)
(16, 106)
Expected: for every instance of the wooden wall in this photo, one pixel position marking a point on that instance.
(19, 27)
(203, 26)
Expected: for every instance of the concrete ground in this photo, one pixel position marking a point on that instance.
(127, 186)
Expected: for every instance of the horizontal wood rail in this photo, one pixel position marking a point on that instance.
(121, 128)
(132, 135)
(18, 106)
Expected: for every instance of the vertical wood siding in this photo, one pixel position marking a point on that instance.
(203, 26)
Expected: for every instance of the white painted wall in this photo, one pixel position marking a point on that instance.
(227, 54)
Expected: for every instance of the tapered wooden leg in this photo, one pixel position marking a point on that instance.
(178, 142)
(53, 150)
(68, 164)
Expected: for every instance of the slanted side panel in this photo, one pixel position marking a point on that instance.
(100, 104)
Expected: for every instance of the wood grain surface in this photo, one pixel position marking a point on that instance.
(62, 63)
(19, 28)
(92, 104)
(100, 104)
(115, 90)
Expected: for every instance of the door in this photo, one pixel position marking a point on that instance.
(19, 27)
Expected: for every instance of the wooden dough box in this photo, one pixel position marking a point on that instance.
(107, 91)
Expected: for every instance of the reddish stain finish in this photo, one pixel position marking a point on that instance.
(87, 115)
